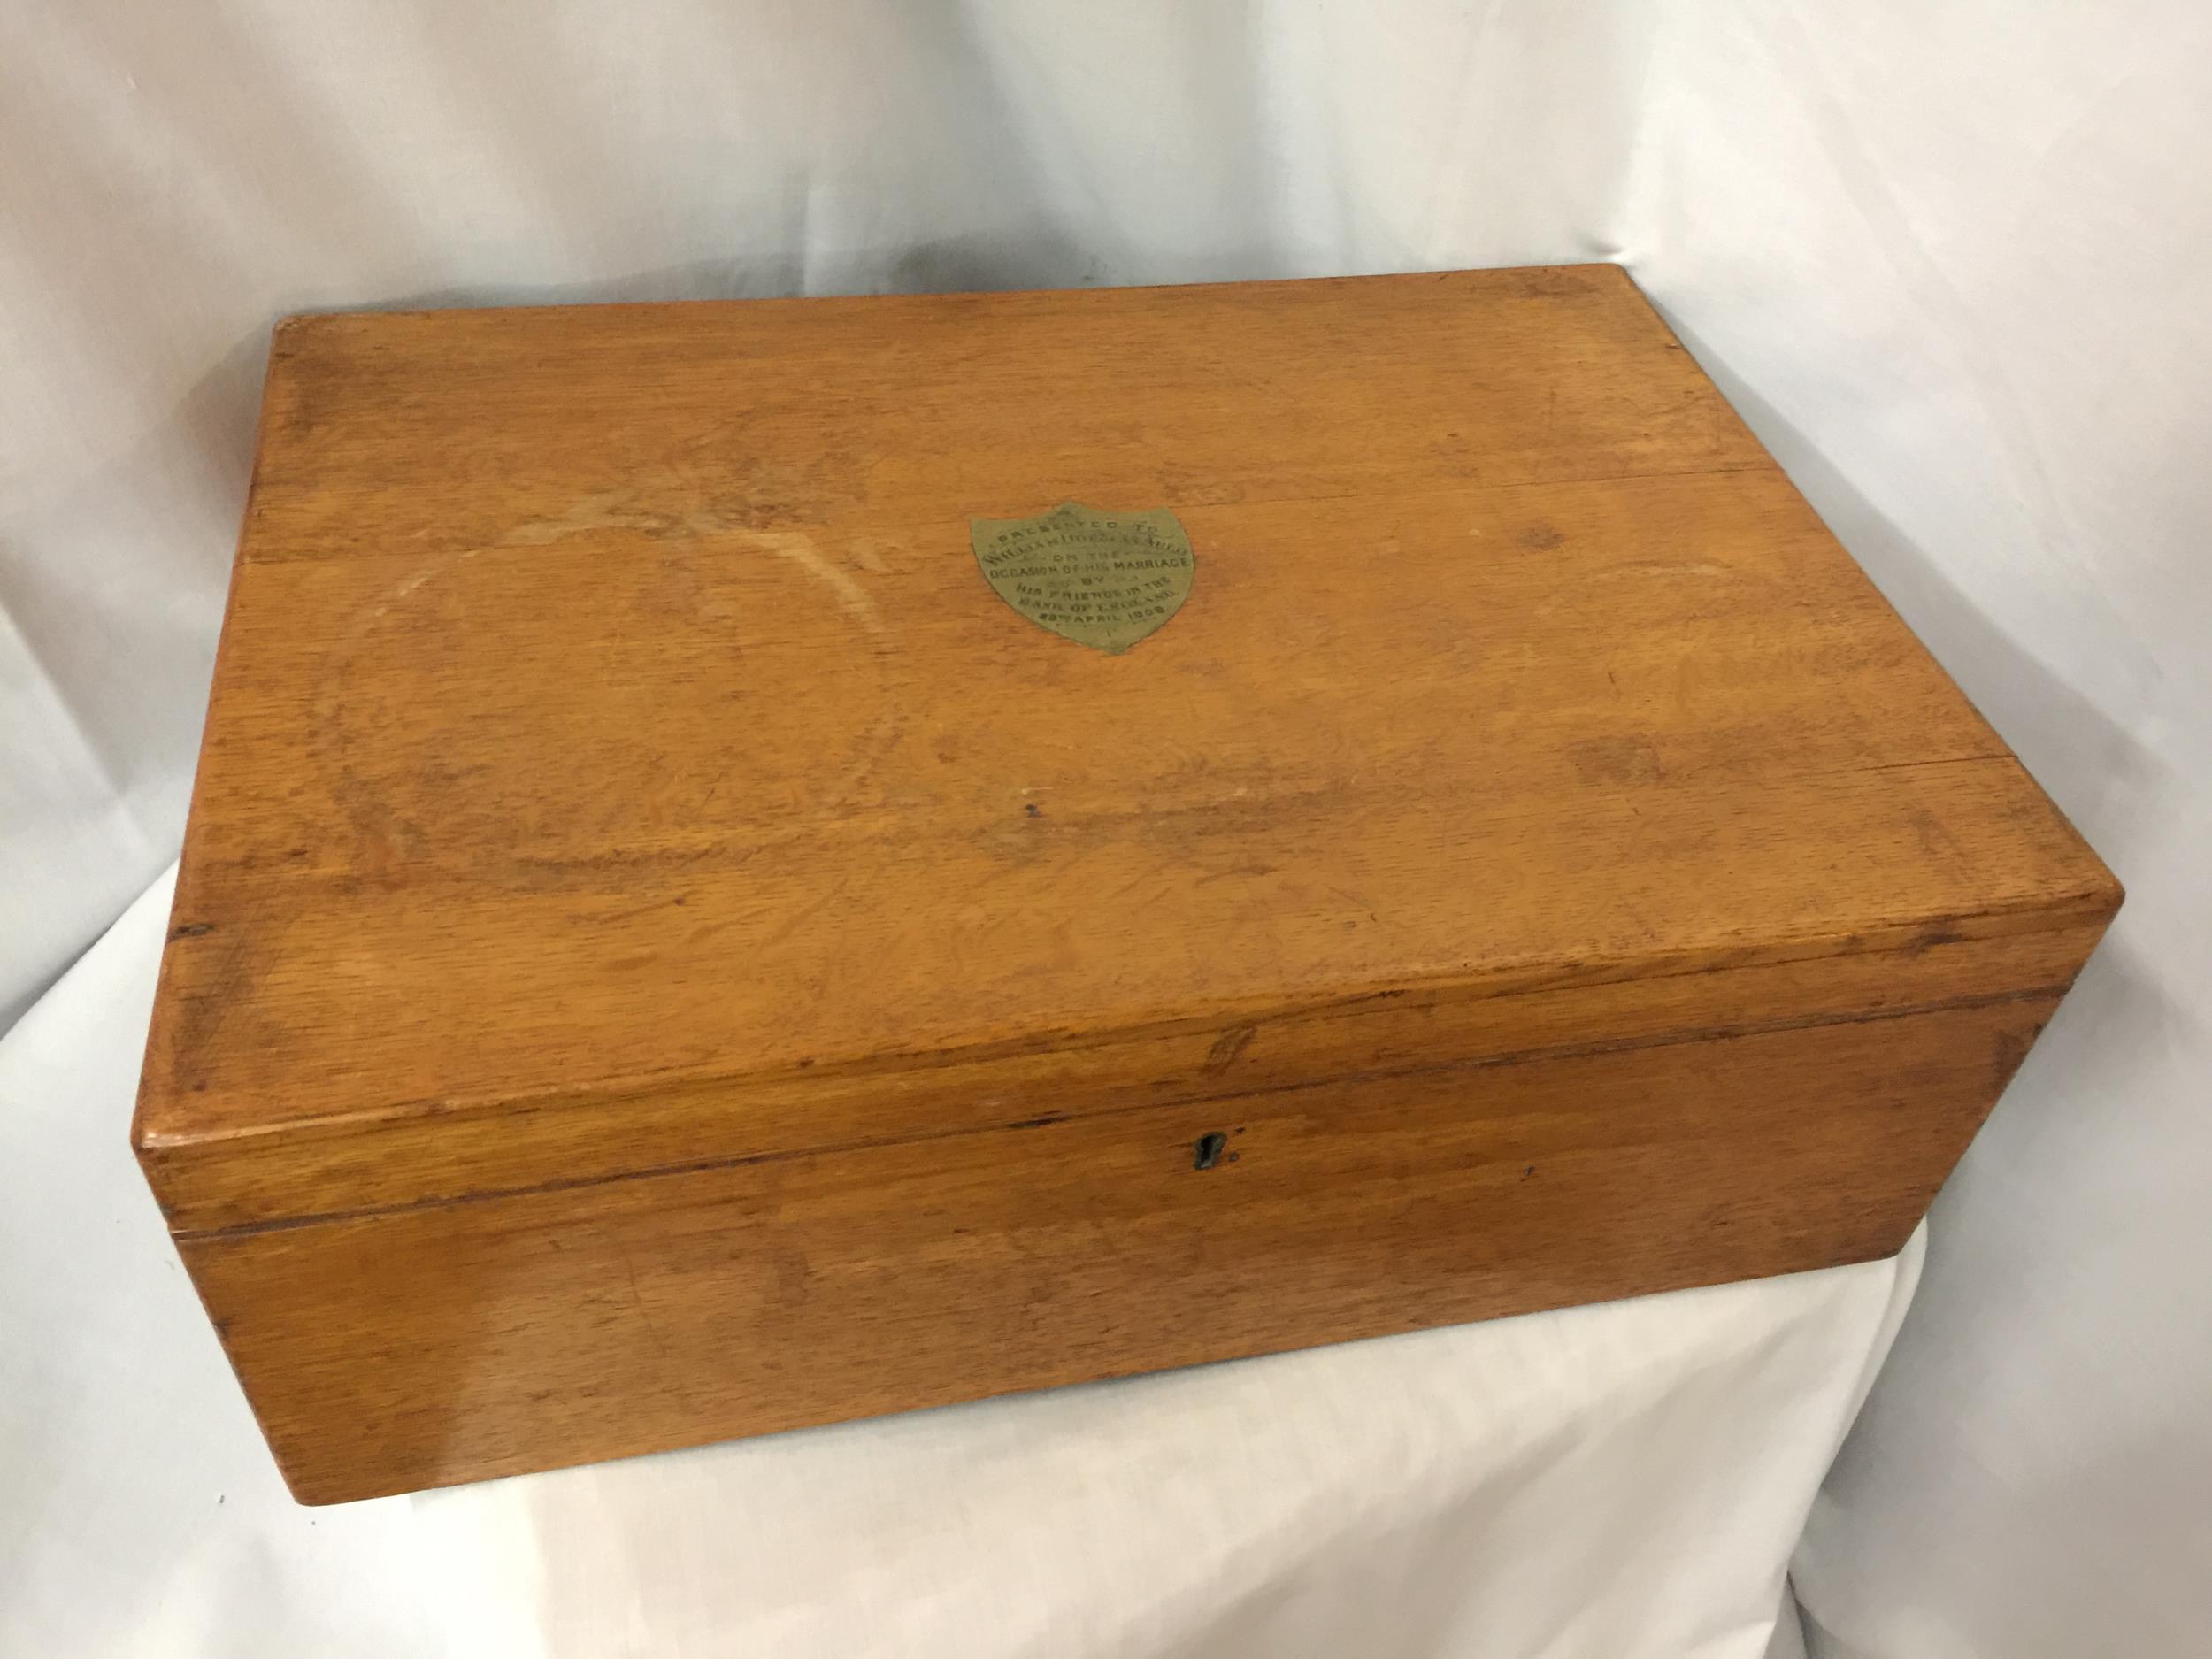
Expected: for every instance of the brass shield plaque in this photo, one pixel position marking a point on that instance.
(1099, 578)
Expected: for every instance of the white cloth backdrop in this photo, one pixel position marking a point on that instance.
(1946, 256)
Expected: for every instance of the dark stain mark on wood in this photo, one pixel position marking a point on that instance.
(191, 930)
(1039, 1121)
(1032, 809)
(1933, 938)
(2010, 1053)
(1629, 758)
(1253, 869)
(1228, 1046)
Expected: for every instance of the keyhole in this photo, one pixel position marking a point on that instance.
(1210, 1150)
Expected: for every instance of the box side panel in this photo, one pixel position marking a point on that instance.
(455, 1342)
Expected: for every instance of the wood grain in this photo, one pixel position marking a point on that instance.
(620, 776)
(380, 1163)
(459, 1341)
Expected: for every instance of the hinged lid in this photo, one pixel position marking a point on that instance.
(618, 760)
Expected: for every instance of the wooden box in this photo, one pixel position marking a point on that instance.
(665, 951)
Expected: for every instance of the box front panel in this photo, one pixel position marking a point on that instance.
(453, 1342)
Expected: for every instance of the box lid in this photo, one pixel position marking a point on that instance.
(618, 761)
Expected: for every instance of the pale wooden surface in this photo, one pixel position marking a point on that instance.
(655, 931)
(610, 695)
(425, 1158)
(459, 1341)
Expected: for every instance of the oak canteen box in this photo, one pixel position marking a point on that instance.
(761, 863)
